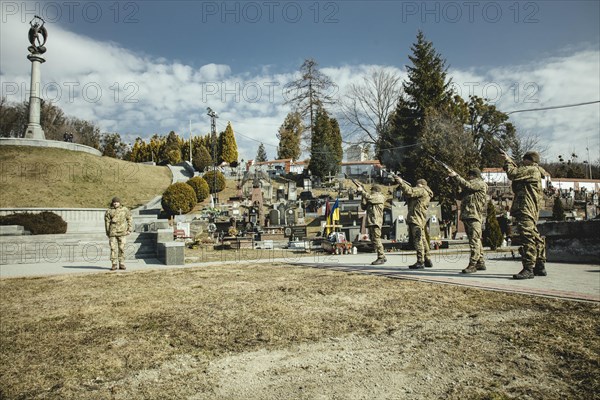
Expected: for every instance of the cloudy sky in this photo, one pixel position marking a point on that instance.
(145, 67)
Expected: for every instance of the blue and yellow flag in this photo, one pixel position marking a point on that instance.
(334, 215)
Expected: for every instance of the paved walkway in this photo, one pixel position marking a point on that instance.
(570, 281)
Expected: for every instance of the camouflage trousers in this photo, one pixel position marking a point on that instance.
(421, 244)
(473, 229)
(117, 249)
(375, 235)
(533, 244)
(541, 248)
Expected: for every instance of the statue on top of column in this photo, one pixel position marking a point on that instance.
(37, 36)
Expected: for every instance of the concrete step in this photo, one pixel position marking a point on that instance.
(71, 247)
(13, 230)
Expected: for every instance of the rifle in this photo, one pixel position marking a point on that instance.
(441, 163)
(357, 184)
(495, 146)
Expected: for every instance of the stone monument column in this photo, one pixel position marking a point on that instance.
(37, 37)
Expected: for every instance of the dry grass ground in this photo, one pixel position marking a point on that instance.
(275, 331)
(49, 177)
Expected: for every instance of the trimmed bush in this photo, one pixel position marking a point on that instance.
(200, 187)
(178, 196)
(492, 235)
(558, 210)
(44, 223)
(220, 181)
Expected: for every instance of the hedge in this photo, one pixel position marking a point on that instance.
(44, 223)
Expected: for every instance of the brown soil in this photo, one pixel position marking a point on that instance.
(276, 331)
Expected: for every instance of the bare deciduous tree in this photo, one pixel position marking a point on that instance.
(368, 106)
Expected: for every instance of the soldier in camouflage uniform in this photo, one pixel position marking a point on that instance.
(540, 262)
(527, 188)
(118, 224)
(373, 204)
(473, 195)
(418, 199)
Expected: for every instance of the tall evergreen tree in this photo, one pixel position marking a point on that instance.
(201, 158)
(228, 145)
(261, 155)
(326, 145)
(140, 151)
(289, 135)
(426, 88)
(171, 152)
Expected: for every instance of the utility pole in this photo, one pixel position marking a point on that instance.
(213, 133)
(587, 147)
(191, 141)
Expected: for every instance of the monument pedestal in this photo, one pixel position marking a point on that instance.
(34, 129)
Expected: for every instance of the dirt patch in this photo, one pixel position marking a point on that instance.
(275, 331)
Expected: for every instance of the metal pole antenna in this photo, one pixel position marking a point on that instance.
(213, 132)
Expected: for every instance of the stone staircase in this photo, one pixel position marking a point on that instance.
(70, 247)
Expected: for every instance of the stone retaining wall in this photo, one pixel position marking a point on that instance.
(77, 219)
(49, 143)
(572, 241)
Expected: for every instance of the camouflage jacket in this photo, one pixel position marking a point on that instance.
(527, 188)
(373, 204)
(544, 174)
(473, 196)
(118, 221)
(417, 199)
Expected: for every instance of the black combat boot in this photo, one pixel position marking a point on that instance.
(428, 263)
(524, 274)
(417, 265)
(540, 268)
(379, 261)
(470, 269)
(480, 265)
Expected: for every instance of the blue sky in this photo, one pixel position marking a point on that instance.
(145, 67)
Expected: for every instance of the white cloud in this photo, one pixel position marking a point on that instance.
(139, 95)
(568, 79)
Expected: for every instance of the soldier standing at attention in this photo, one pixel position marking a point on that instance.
(418, 198)
(527, 186)
(373, 204)
(118, 224)
(473, 195)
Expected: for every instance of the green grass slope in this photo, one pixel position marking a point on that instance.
(50, 177)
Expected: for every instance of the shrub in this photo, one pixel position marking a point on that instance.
(201, 158)
(492, 235)
(44, 223)
(200, 187)
(173, 156)
(558, 210)
(220, 181)
(178, 196)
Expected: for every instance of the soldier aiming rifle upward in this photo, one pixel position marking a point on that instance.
(373, 204)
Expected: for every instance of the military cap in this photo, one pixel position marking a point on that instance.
(376, 188)
(422, 182)
(474, 172)
(115, 200)
(533, 156)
